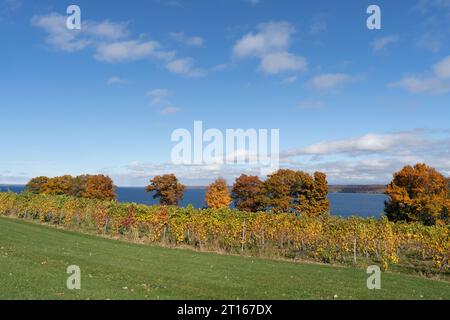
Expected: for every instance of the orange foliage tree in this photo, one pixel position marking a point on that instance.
(167, 189)
(99, 187)
(84, 186)
(247, 193)
(58, 185)
(418, 193)
(36, 185)
(217, 195)
(297, 192)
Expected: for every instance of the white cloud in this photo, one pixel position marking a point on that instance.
(111, 43)
(184, 66)
(126, 50)
(435, 24)
(270, 44)
(414, 84)
(431, 41)
(116, 80)
(437, 83)
(290, 79)
(195, 41)
(370, 158)
(170, 110)
(59, 36)
(159, 98)
(271, 37)
(368, 143)
(158, 95)
(382, 43)
(330, 81)
(282, 61)
(106, 29)
(91, 33)
(442, 69)
(373, 157)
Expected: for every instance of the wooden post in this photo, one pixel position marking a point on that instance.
(105, 228)
(243, 236)
(354, 246)
(366, 243)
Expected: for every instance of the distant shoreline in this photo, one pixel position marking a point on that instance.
(341, 188)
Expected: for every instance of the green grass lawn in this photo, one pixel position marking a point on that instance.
(34, 258)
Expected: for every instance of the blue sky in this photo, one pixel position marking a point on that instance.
(352, 102)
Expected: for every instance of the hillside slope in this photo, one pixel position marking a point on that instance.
(34, 258)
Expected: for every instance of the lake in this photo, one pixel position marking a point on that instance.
(342, 204)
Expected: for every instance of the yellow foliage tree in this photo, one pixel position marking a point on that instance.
(217, 195)
(418, 193)
(58, 185)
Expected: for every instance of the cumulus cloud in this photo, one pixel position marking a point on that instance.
(270, 44)
(9, 178)
(170, 110)
(138, 173)
(92, 32)
(415, 84)
(331, 81)
(282, 61)
(159, 99)
(368, 143)
(158, 95)
(116, 80)
(184, 66)
(290, 79)
(382, 43)
(369, 158)
(436, 83)
(194, 41)
(126, 50)
(435, 24)
(106, 38)
(442, 69)
(431, 41)
(111, 43)
(58, 36)
(373, 157)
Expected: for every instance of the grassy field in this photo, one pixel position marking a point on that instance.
(34, 258)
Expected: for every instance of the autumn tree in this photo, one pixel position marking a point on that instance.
(58, 185)
(418, 193)
(217, 195)
(86, 186)
(247, 193)
(296, 192)
(167, 189)
(78, 186)
(319, 200)
(35, 185)
(97, 187)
